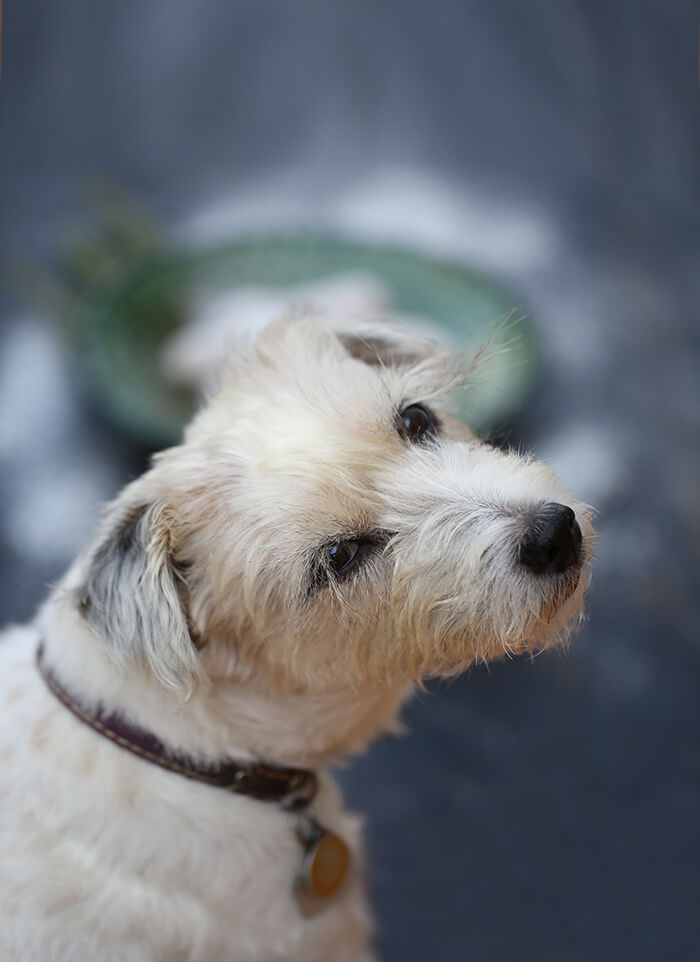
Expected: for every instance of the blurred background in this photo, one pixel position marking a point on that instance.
(540, 811)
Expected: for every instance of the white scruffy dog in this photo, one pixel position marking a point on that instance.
(264, 597)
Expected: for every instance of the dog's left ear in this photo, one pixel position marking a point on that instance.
(385, 347)
(132, 596)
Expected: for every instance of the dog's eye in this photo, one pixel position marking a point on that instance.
(342, 554)
(416, 422)
(345, 557)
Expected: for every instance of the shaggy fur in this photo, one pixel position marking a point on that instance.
(207, 611)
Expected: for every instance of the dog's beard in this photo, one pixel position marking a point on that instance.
(496, 614)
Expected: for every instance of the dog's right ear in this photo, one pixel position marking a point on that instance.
(131, 596)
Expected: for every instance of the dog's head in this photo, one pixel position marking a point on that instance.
(326, 522)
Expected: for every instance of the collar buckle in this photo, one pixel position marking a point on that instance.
(302, 786)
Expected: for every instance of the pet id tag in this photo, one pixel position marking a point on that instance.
(324, 866)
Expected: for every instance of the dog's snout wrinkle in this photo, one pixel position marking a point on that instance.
(552, 544)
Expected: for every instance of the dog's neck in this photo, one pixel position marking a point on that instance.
(225, 719)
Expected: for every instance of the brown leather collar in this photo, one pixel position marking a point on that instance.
(293, 788)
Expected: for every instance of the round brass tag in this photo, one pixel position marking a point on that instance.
(327, 864)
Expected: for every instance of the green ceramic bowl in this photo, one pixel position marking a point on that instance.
(119, 339)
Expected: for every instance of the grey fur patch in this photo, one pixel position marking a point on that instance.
(131, 597)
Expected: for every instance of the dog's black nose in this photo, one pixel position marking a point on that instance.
(553, 541)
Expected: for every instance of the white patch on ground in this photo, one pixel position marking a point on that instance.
(400, 205)
(588, 459)
(52, 478)
(35, 405)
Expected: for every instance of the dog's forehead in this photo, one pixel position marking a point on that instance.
(330, 410)
(303, 429)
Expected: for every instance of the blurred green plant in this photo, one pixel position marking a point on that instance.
(118, 238)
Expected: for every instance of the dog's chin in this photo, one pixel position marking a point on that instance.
(558, 613)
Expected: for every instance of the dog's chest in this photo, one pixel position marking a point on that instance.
(105, 856)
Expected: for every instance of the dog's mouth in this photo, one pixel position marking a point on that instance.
(561, 594)
(554, 553)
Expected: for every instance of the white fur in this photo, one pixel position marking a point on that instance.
(107, 857)
(193, 614)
